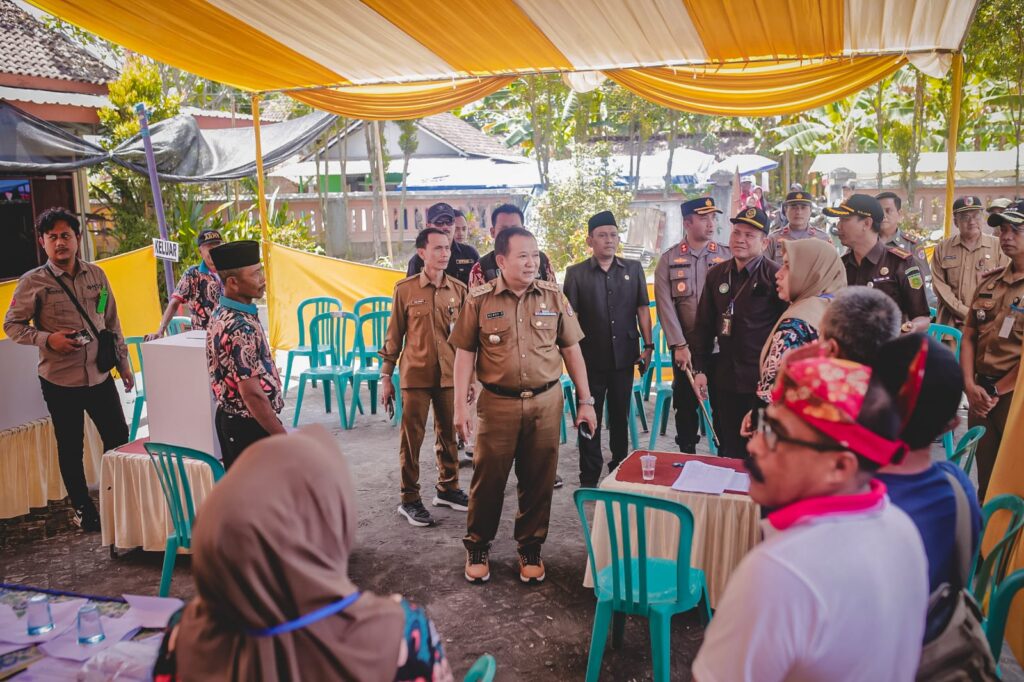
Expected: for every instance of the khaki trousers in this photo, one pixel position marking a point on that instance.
(416, 403)
(988, 447)
(520, 432)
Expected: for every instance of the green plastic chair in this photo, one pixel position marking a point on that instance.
(134, 344)
(660, 361)
(988, 571)
(319, 305)
(367, 364)
(326, 329)
(568, 404)
(941, 332)
(662, 411)
(999, 610)
(932, 312)
(178, 325)
(654, 588)
(168, 460)
(374, 304)
(963, 455)
(483, 670)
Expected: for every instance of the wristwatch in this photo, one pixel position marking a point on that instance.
(588, 401)
(648, 346)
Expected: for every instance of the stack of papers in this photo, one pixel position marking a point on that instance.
(698, 477)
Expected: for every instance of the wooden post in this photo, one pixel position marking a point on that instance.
(383, 188)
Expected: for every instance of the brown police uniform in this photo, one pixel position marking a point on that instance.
(784, 234)
(893, 271)
(997, 318)
(956, 272)
(422, 317)
(518, 342)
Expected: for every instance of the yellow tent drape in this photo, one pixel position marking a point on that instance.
(137, 296)
(954, 137)
(398, 102)
(756, 89)
(295, 275)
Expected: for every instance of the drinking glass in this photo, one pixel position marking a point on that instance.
(38, 616)
(90, 629)
(647, 463)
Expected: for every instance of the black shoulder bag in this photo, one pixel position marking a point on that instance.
(106, 344)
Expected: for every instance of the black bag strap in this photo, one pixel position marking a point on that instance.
(962, 544)
(81, 310)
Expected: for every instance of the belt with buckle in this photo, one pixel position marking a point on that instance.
(519, 392)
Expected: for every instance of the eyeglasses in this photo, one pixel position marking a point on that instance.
(444, 221)
(766, 426)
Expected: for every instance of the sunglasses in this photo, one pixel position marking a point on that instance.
(444, 221)
(768, 429)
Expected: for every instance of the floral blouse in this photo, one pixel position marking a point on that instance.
(792, 333)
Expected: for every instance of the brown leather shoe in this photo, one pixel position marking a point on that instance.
(531, 567)
(478, 569)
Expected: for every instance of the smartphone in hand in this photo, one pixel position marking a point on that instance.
(585, 431)
(390, 407)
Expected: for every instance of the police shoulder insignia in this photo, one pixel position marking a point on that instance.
(712, 246)
(482, 289)
(683, 247)
(897, 251)
(909, 239)
(920, 255)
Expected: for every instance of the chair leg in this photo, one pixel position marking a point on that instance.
(665, 413)
(598, 639)
(327, 395)
(288, 372)
(947, 443)
(661, 641)
(298, 401)
(634, 439)
(355, 403)
(170, 552)
(641, 412)
(342, 410)
(398, 400)
(655, 420)
(618, 629)
(136, 416)
(705, 604)
(373, 396)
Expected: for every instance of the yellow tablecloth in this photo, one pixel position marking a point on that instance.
(725, 528)
(30, 469)
(132, 506)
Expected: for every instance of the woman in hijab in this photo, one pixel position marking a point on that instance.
(811, 274)
(270, 547)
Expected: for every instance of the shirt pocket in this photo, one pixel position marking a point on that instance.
(952, 267)
(680, 280)
(983, 310)
(496, 335)
(545, 330)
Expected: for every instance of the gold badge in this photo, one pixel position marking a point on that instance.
(709, 202)
(883, 271)
(494, 338)
(681, 287)
(751, 212)
(537, 323)
(799, 195)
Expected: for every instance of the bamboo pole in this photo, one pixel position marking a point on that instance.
(383, 188)
(954, 136)
(261, 201)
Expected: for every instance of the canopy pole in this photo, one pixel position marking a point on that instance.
(261, 200)
(954, 136)
(383, 187)
(154, 183)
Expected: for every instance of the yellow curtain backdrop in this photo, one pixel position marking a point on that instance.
(756, 89)
(397, 102)
(297, 275)
(133, 282)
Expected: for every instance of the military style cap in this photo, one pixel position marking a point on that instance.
(800, 197)
(967, 204)
(858, 204)
(754, 217)
(699, 206)
(208, 237)
(600, 220)
(1014, 216)
(1001, 202)
(235, 254)
(440, 210)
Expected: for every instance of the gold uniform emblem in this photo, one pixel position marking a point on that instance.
(751, 212)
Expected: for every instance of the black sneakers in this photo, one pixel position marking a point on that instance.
(456, 499)
(416, 514)
(87, 518)
(531, 568)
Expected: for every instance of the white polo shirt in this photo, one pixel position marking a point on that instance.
(837, 592)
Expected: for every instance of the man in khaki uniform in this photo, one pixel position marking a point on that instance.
(424, 310)
(994, 331)
(516, 330)
(959, 263)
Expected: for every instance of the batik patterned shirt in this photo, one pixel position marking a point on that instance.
(236, 350)
(200, 290)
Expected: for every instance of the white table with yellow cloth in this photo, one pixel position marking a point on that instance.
(133, 510)
(725, 527)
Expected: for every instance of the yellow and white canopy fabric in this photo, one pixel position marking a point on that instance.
(393, 59)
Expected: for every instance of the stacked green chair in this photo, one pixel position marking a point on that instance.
(169, 463)
(963, 455)
(999, 610)
(635, 583)
(366, 363)
(310, 308)
(178, 325)
(328, 329)
(374, 304)
(989, 570)
(134, 344)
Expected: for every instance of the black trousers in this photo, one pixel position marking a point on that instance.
(235, 434)
(615, 386)
(68, 405)
(687, 417)
(729, 408)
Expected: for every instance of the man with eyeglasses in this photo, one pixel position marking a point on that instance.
(442, 216)
(44, 313)
(833, 542)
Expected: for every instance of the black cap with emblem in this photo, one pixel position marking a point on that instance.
(862, 205)
(208, 237)
(233, 255)
(699, 206)
(967, 204)
(1014, 216)
(600, 220)
(754, 217)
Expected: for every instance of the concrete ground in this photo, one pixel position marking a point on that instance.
(538, 633)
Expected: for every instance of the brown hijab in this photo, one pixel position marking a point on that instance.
(815, 273)
(271, 543)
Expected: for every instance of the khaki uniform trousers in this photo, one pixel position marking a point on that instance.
(988, 446)
(416, 403)
(523, 432)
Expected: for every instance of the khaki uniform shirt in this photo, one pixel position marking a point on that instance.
(774, 249)
(997, 314)
(956, 272)
(517, 339)
(422, 316)
(40, 300)
(914, 246)
(678, 283)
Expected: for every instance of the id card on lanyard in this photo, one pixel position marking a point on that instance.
(725, 328)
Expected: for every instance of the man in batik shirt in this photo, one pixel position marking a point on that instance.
(199, 288)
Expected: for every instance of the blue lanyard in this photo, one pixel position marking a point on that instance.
(308, 619)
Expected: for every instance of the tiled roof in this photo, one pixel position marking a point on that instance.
(463, 136)
(28, 48)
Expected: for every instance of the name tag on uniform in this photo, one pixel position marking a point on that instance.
(463, 261)
(1004, 331)
(546, 313)
(496, 313)
(418, 301)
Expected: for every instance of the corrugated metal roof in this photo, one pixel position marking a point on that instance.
(29, 48)
(75, 99)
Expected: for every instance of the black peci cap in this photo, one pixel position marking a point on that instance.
(234, 255)
(600, 220)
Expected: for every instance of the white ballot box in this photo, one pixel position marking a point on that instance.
(179, 401)
(21, 400)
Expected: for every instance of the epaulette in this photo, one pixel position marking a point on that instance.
(482, 289)
(897, 251)
(712, 246)
(407, 279)
(458, 282)
(550, 286)
(910, 240)
(996, 270)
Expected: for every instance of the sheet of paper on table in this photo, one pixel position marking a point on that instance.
(151, 612)
(739, 482)
(698, 477)
(14, 630)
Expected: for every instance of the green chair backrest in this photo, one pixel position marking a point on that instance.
(662, 358)
(999, 610)
(325, 330)
(378, 325)
(350, 339)
(963, 455)
(621, 524)
(991, 569)
(483, 670)
(134, 344)
(940, 332)
(320, 304)
(372, 304)
(168, 460)
(179, 324)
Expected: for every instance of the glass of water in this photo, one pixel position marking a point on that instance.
(38, 616)
(90, 629)
(647, 463)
